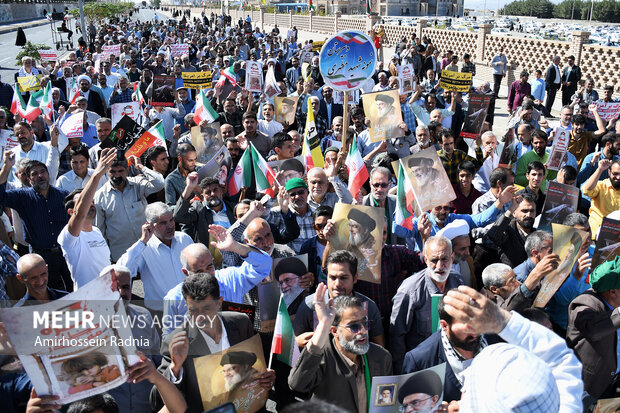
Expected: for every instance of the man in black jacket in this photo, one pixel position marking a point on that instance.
(553, 81)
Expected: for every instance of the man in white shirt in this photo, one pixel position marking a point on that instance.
(80, 173)
(269, 126)
(121, 204)
(157, 258)
(83, 245)
(46, 152)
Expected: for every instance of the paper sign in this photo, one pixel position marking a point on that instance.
(163, 90)
(29, 83)
(131, 109)
(561, 137)
(73, 126)
(608, 110)
(383, 110)
(347, 60)
(405, 79)
(457, 81)
(179, 49)
(253, 76)
(48, 55)
(560, 201)
(607, 242)
(476, 115)
(197, 80)
(285, 108)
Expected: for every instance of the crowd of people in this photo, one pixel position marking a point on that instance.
(71, 214)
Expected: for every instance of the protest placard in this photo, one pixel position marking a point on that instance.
(608, 110)
(560, 201)
(163, 90)
(73, 126)
(254, 76)
(48, 55)
(423, 389)
(74, 360)
(285, 108)
(130, 138)
(131, 109)
(207, 141)
(607, 242)
(476, 114)
(405, 79)
(383, 111)
(347, 60)
(179, 49)
(241, 388)
(218, 167)
(561, 137)
(567, 242)
(359, 229)
(317, 45)
(29, 83)
(197, 80)
(457, 81)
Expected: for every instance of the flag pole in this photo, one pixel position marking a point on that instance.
(270, 359)
(345, 120)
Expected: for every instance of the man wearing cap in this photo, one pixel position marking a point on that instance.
(421, 393)
(457, 231)
(293, 201)
(95, 103)
(593, 328)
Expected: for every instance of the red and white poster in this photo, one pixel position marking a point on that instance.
(608, 110)
(73, 126)
(48, 55)
(561, 137)
(254, 76)
(405, 79)
(179, 49)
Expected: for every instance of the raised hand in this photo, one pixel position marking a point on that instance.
(324, 311)
(142, 370)
(106, 159)
(223, 239)
(283, 200)
(9, 159)
(147, 232)
(507, 194)
(135, 160)
(42, 404)
(604, 164)
(306, 280)
(424, 226)
(479, 314)
(330, 229)
(178, 349)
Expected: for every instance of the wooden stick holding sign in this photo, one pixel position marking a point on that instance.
(345, 120)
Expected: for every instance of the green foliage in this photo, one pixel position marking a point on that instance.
(155, 3)
(604, 10)
(96, 10)
(31, 50)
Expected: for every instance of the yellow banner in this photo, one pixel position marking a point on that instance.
(29, 83)
(316, 46)
(196, 80)
(458, 81)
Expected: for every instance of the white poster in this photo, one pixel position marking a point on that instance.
(405, 79)
(131, 109)
(254, 76)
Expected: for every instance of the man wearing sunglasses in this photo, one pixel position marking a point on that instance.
(338, 362)
(380, 183)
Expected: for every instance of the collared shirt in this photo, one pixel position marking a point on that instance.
(70, 181)
(158, 264)
(261, 141)
(424, 116)
(269, 128)
(408, 117)
(8, 268)
(220, 218)
(558, 76)
(234, 283)
(458, 156)
(27, 299)
(43, 217)
(174, 185)
(579, 146)
(120, 215)
(605, 200)
(305, 222)
(518, 91)
(42, 152)
(121, 96)
(526, 158)
(538, 89)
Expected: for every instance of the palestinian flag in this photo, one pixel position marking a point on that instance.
(230, 75)
(242, 176)
(74, 93)
(33, 109)
(203, 110)
(404, 199)
(47, 102)
(18, 106)
(158, 132)
(284, 344)
(358, 174)
(311, 148)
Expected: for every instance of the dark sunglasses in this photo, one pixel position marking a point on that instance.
(357, 327)
(380, 185)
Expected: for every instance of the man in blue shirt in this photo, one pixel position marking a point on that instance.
(234, 282)
(538, 88)
(428, 224)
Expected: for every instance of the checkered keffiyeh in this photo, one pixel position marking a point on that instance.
(507, 378)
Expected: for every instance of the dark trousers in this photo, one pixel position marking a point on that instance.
(567, 93)
(497, 82)
(59, 276)
(551, 97)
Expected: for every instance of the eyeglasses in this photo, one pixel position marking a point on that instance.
(319, 226)
(294, 194)
(414, 404)
(380, 185)
(357, 327)
(288, 281)
(443, 208)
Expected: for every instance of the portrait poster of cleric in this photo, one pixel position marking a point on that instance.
(359, 229)
(383, 110)
(607, 242)
(567, 243)
(231, 376)
(207, 141)
(71, 347)
(218, 167)
(561, 200)
(285, 107)
(421, 391)
(429, 179)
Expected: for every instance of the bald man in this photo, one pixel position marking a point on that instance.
(33, 273)
(318, 183)
(234, 282)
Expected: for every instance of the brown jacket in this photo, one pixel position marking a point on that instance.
(592, 333)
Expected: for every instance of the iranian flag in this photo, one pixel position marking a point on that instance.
(18, 106)
(137, 93)
(311, 148)
(74, 93)
(368, 8)
(158, 132)
(358, 174)
(203, 110)
(47, 102)
(33, 109)
(230, 75)
(310, 5)
(283, 344)
(404, 199)
(264, 176)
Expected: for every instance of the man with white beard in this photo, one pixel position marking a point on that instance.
(288, 273)
(411, 320)
(237, 369)
(387, 120)
(457, 232)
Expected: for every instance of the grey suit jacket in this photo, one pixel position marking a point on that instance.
(392, 239)
(329, 378)
(238, 328)
(592, 333)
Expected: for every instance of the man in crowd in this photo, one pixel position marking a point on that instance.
(32, 271)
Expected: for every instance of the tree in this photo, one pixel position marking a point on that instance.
(31, 50)
(97, 11)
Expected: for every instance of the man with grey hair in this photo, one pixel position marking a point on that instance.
(103, 126)
(121, 203)
(553, 81)
(318, 183)
(508, 292)
(380, 183)
(538, 245)
(410, 323)
(325, 360)
(156, 257)
(423, 138)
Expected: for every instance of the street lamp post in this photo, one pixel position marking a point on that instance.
(81, 6)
